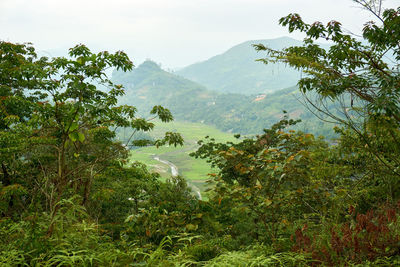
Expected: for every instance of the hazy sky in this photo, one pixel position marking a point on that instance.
(172, 32)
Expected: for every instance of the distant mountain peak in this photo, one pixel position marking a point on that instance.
(280, 40)
(237, 71)
(149, 65)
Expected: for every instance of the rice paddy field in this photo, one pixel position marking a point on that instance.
(195, 171)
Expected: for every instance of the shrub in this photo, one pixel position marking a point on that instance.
(367, 237)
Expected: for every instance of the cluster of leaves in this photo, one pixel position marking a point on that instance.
(365, 72)
(57, 125)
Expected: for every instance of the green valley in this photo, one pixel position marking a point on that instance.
(149, 85)
(194, 170)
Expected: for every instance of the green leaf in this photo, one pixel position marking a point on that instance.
(268, 202)
(73, 127)
(191, 227)
(73, 136)
(81, 137)
(80, 60)
(142, 142)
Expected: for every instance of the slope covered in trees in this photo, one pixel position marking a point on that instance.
(149, 85)
(237, 71)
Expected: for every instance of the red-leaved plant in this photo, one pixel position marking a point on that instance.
(367, 236)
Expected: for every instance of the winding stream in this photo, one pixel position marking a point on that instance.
(174, 173)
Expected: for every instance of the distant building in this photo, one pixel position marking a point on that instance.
(259, 97)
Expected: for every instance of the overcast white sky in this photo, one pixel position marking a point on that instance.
(172, 32)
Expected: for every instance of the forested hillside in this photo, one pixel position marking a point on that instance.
(69, 195)
(237, 71)
(149, 85)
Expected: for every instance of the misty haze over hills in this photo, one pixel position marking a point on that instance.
(247, 103)
(237, 71)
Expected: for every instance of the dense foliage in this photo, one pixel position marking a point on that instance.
(281, 198)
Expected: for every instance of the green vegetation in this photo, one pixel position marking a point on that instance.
(71, 196)
(194, 170)
(149, 85)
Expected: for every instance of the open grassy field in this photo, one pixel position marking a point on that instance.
(194, 170)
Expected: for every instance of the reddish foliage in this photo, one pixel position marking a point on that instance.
(367, 238)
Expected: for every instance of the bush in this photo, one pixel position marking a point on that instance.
(367, 237)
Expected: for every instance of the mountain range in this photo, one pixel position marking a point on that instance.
(238, 71)
(221, 104)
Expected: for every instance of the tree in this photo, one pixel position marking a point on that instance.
(264, 184)
(64, 131)
(363, 75)
(19, 71)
